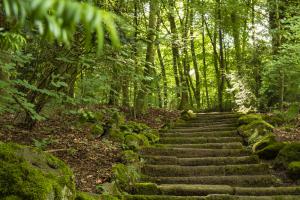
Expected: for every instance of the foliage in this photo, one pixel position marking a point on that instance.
(245, 100)
(125, 177)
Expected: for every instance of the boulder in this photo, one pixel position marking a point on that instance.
(28, 173)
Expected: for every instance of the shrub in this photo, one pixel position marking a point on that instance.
(290, 153)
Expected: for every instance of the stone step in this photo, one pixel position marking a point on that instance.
(232, 145)
(190, 171)
(240, 180)
(199, 140)
(202, 134)
(169, 160)
(192, 152)
(199, 129)
(210, 197)
(204, 190)
(205, 125)
(199, 124)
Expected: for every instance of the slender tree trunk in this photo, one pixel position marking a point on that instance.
(222, 61)
(204, 62)
(141, 105)
(195, 62)
(164, 76)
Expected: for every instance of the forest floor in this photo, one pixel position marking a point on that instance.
(90, 158)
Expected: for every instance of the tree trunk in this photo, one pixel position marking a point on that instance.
(141, 105)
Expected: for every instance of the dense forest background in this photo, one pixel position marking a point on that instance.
(208, 55)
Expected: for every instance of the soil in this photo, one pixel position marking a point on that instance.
(90, 158)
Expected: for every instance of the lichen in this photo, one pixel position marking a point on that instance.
(27, 173)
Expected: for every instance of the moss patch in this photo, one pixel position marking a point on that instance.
(294, 170)
(290, 153)
(247, 119)
(86, 196)
(27, 173)
(271, 151)
(263, 142)
(146, 189)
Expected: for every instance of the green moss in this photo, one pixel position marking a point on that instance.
(146, 189)
(86, 196)
(130, 156)
(260, 126)
(31, 174)
(290, 153)
(125, 177)
(188, 114)
(263, 142)
(116, 135)
(97, 130)
(271, 151)
(276, 120)
(134, 127)
(247, 119)
(294, 170)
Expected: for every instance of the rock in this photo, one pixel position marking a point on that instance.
(294, 170)
(263, 142)
(188, 114)
(288, 154)
(247, 119)
(260, 127)
(271, 151)
(28, 173)
(86, 196)
(97, 130)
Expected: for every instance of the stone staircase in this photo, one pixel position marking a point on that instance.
(205, 159)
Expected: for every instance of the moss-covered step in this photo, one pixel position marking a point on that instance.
(193, 152)
(210, 197)
(199, 140)
(201, 124)
(201, 134)
(189, 171)
(223, 125)
(266, 191)
(201, 129)
(240, 180)
(30, 174)
(232, 145)
(169, 160)
(204, 190)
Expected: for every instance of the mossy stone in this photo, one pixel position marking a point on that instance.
(97, 130)
(86, 196)
(294, 170)
(146, 189)
(260, 126)
(188, 114)
(27, 173)
(117, 135)
(288, 154)
(271, 151)
(273, 119)
(247, 119)
(263, 142)
(130, 156)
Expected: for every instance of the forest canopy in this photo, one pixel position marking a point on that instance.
(208, 55)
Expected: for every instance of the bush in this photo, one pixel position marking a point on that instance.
(125, 177)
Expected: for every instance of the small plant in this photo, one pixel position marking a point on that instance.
(42, 144)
